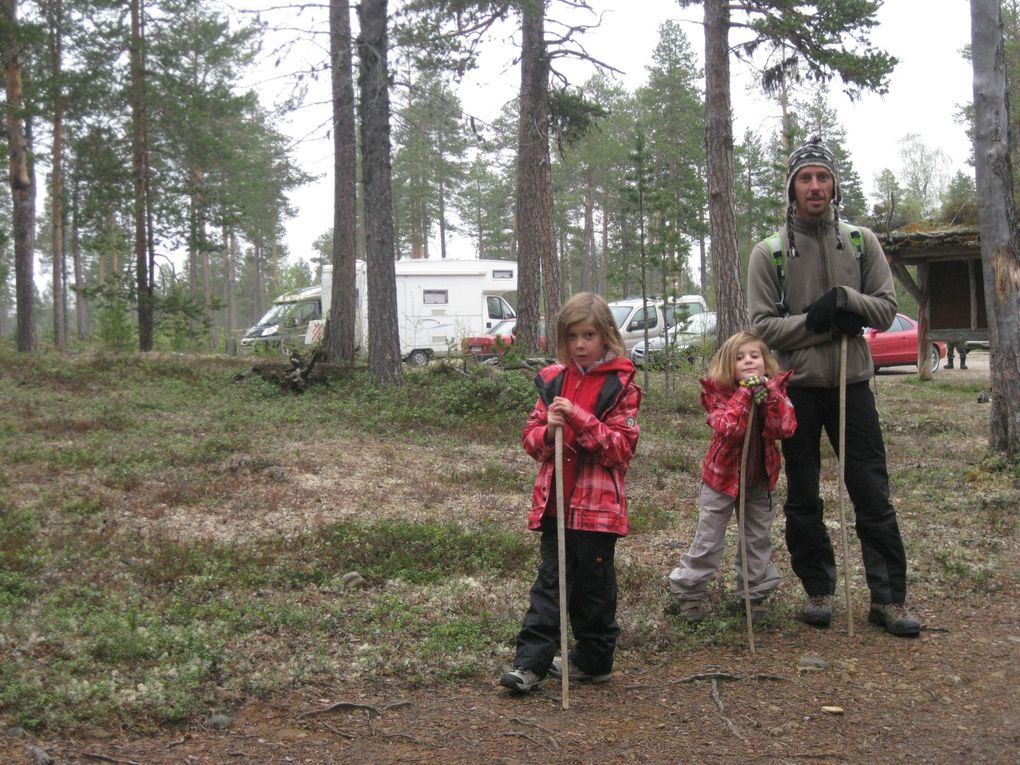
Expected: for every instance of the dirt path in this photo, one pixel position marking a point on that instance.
(948, 697)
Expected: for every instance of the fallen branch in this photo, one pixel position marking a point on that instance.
(552, 736)
(107, 758)
(707, 676)
(718, 702)
(342, 734)
(341, 706)
(521, 734)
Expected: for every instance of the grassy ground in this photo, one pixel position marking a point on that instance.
(178, 537)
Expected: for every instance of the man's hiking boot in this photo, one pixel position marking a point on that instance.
(576, 673)
(896, 619)
(520, 680)
(692, 611)
(817, 611)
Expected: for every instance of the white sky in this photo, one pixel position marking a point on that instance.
(930, 82)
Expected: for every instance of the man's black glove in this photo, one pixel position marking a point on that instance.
(821, 312)
(848, 323)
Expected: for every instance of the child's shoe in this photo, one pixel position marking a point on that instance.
(759, 610)
(692, 611)
(576, 673)
(520, 680)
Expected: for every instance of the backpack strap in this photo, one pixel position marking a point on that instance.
(775, 247)
(856, 239)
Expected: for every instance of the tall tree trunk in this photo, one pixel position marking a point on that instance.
(537, 267)
(22, 189)
(729, 290)
(145, 308)
(373, 82)
(80, 304)
(588, 269)
(344, 303)
(997, 215)
(601, 278)
(55, 40)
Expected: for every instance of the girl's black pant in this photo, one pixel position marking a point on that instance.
(591, 603)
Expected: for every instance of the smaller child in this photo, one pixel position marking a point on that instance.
(592, 396)
(742, 374)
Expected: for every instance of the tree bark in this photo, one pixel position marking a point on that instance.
(344, 302)
(373, 82)
(55, 12)
(729, 290)
(536, 255)
(142, 282)
(997, 216)
(22, 186)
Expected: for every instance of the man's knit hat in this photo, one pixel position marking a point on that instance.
(815, 153)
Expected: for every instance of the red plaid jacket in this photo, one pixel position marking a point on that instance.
(727, 416)
(600, 437)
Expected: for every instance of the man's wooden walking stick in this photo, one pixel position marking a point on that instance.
(561, 557)
(842, 485)
(741, 527)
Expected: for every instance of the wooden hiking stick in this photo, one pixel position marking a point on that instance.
(561, 557)
(741, 526)
(842, 485)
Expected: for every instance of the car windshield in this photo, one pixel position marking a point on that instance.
(620, 314)
(505, 327)
(293, 313)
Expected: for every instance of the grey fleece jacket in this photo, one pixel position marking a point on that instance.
(867, 289)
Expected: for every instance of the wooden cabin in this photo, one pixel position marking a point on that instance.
(949, 288)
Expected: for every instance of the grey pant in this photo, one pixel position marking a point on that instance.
(689, 581)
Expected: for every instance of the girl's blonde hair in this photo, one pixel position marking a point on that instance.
(723, 366)
(587, 306)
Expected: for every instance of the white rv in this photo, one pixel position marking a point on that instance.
(439, 302)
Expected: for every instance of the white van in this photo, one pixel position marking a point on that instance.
(439, 302)
(634, 314)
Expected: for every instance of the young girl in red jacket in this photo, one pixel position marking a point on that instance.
(592, 396)
(742, 374)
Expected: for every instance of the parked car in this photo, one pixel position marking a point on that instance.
(494, 344)
(897, 345)
(694, 337)
(633, 315)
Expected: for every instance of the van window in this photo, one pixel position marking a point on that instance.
(502, 274)
(435, 297)
(647, 317)
(498, 308)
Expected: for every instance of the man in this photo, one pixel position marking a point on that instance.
(825, 282)
(961, 348)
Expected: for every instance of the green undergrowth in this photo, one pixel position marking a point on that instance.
(108, 622)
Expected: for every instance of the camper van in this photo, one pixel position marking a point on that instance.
(439, 302)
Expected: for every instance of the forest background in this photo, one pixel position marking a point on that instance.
(225, 168)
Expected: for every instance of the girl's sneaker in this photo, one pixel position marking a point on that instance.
(520, 680)
(692, 611)
(576, 673)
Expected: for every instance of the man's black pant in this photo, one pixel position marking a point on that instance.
(591, 603)
(867, 483)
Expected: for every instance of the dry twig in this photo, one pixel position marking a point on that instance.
(107, 758)
(341, 706)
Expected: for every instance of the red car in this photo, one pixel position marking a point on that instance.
(497, 342)
(897, 345)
